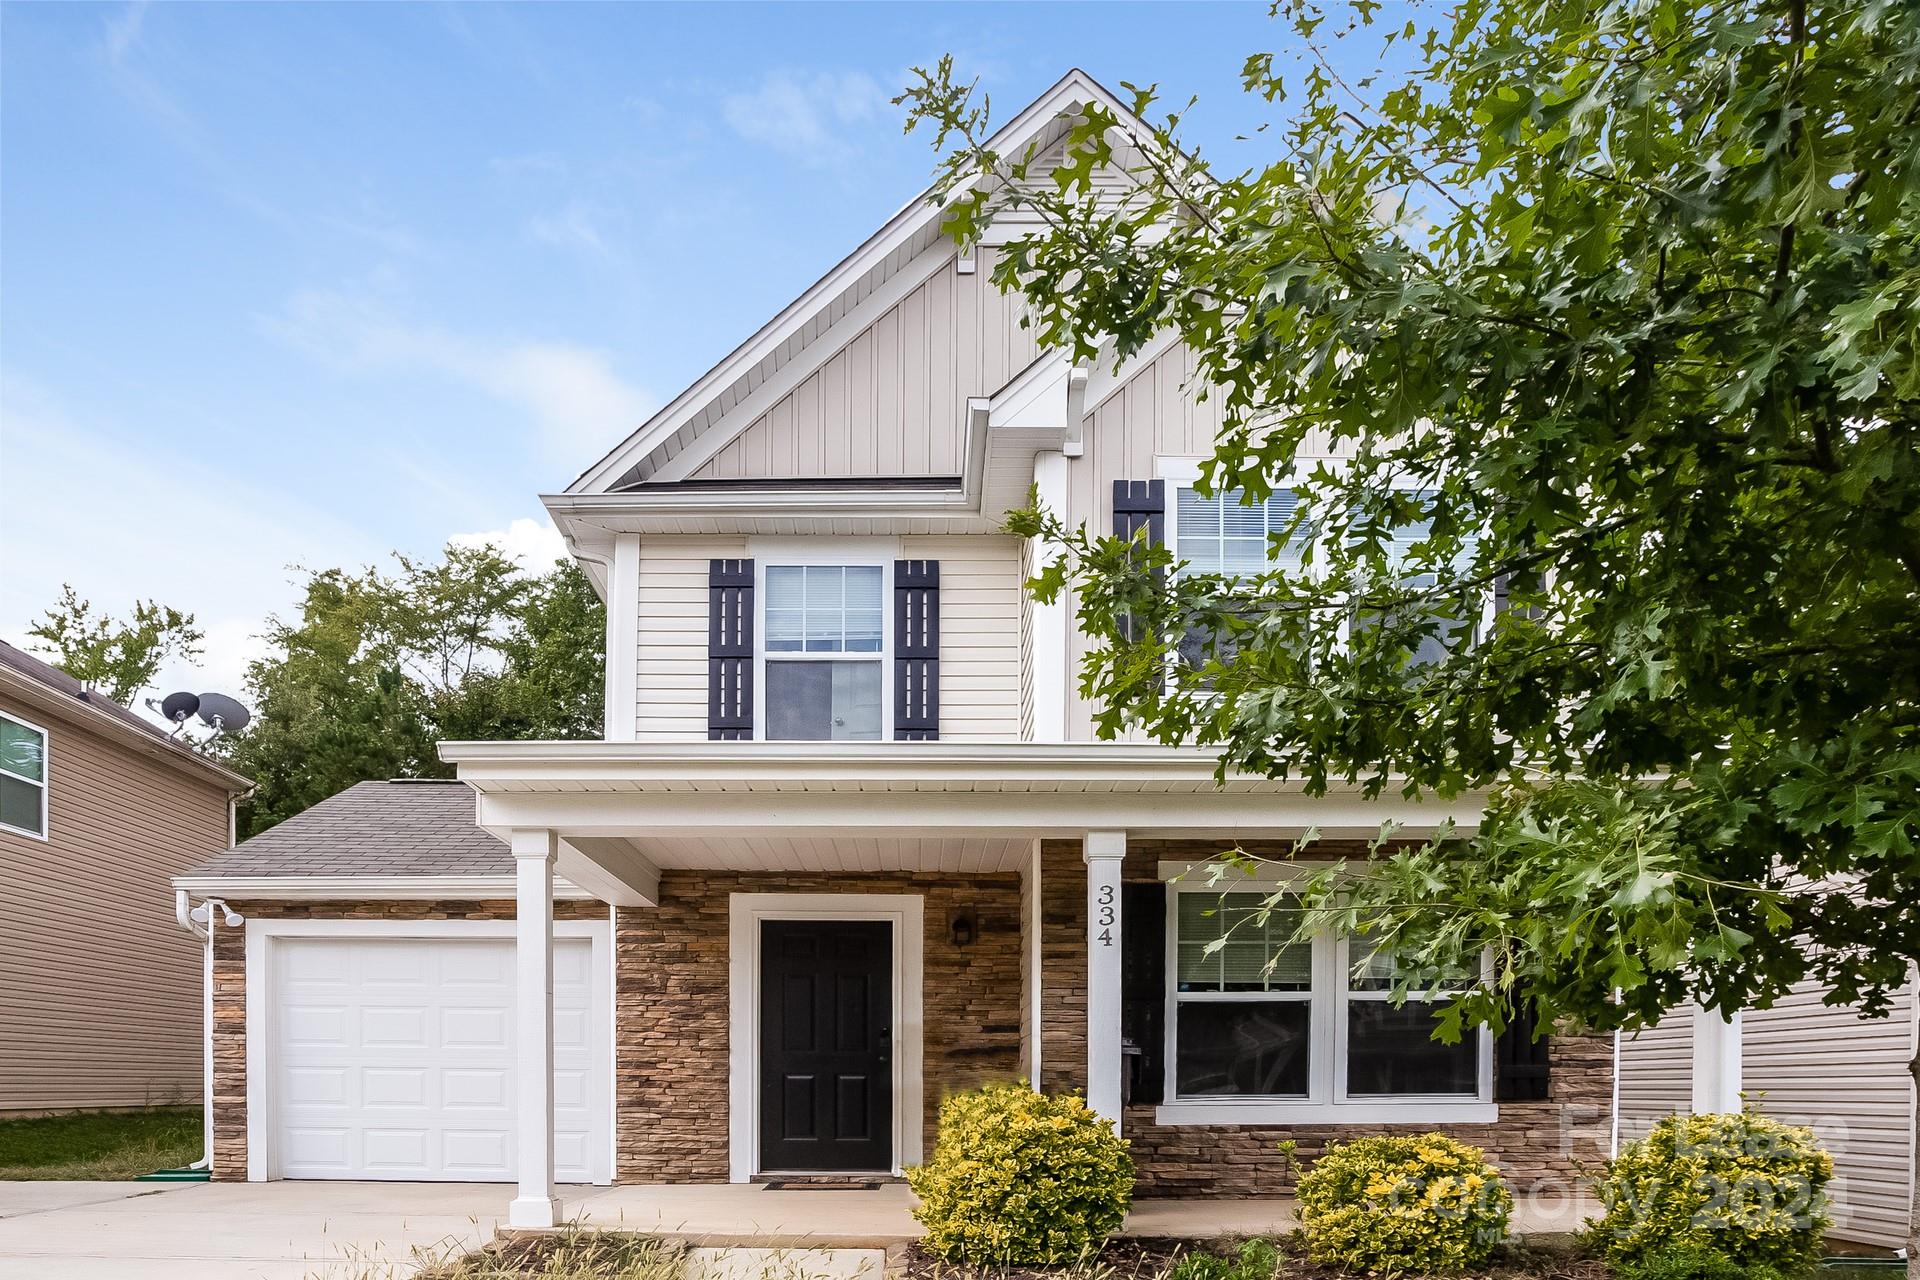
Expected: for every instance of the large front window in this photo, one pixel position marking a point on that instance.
(1260, 1018)
(824, 647)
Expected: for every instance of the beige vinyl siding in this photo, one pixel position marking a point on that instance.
(670, 680)
(1810, 1063)
(1656, 1074)
(891, 400)
(979, 634)
(100, 988)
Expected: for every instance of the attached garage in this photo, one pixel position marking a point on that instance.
(385, 1050)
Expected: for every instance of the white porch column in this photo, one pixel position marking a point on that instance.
(1104, 852)
(535, 1205)
(1716, 1061)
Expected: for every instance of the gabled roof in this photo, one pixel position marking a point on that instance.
(51, 689)
(860, 278)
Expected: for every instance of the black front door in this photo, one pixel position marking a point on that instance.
(826, 1045)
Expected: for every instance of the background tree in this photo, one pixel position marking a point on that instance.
(119, 658)
(1609, 317)
(381, 666)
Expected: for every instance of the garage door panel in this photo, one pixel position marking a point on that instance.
(394, 1059)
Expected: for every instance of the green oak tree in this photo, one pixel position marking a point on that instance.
(118, 657)
(380, 666)
(1603, 326)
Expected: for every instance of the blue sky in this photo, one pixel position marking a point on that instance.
(305, 284)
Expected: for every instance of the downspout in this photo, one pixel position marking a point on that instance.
(182, 911)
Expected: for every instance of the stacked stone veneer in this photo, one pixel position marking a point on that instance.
(670, 1057)
(1537, 1144)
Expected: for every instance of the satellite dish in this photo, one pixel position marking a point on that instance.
(176, 707)
(223, 713)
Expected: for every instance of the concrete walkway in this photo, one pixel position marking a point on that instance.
(375, 1230)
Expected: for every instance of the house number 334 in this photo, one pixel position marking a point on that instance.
(1103, 915)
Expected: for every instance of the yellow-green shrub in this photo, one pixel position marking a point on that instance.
(1397, 1205)
(1020, 1177)
(1740, 1186)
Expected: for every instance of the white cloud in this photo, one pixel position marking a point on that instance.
(579, 405)
(809, 115)
(535, 544)
(574, 227)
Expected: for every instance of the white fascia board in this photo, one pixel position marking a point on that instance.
(369, 888)
(1076, 88)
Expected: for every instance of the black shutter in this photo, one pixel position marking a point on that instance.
(1520, 1059)
(1143, 988)
(1140, 505)
(730, 649)
(916, 650)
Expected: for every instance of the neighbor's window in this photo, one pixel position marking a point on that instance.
(1251, 1022)
(1246, 1005)
(824, 650)
(23, 777)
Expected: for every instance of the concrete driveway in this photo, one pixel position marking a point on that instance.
(236, 1231)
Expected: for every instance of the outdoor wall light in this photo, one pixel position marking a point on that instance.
(963, 927)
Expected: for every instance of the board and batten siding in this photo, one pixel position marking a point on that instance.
(100, 988)
(979, 634)
(1847, 1078)
(891, 401)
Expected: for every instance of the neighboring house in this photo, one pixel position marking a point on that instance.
(850, 841)
(100, 1003)
(1806, 1062)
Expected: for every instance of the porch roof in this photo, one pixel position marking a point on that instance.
(1003, 788)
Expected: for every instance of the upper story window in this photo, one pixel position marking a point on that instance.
(23, 777)
(1221, 533)
(824, 652)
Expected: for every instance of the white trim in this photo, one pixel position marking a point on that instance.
(1051, 624)
(1326, 1099)
(1035, 959)
(46, 777)
(1104, 852)
(368, 888)
(907, 914)
(622, 706)
(263, 933)
(863, 553)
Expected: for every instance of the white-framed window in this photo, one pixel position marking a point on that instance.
(823, 651)
(23, 777)
(1259, 1027)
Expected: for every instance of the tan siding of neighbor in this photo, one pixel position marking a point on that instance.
(979, 634)
(891, 401)
(99, 986)
(671, 677)
(1809, 1063)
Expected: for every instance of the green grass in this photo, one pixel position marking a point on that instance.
(98, 1146)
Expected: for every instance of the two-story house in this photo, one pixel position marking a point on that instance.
(850, 840)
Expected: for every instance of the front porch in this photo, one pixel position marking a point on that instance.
(997, 874)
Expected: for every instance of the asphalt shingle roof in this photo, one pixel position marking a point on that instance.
(403, 828)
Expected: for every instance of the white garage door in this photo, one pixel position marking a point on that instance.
(394, 1059)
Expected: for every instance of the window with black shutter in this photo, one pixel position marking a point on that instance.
(916, 650)
(730, 649)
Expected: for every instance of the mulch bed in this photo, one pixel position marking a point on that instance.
(1130, 1259)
